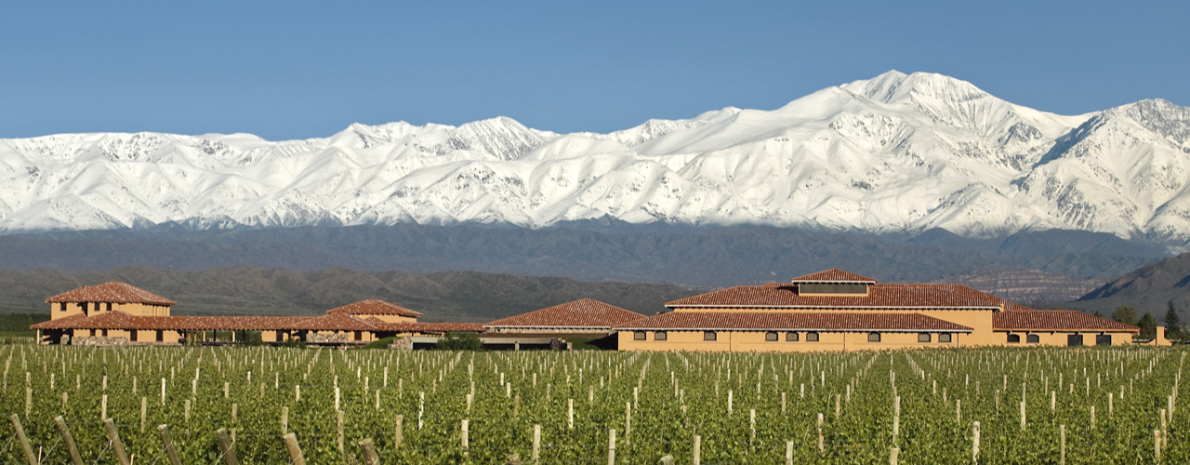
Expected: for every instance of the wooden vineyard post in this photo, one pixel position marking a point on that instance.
(167, 443)
(783, 403)
(295, 452)
(24, 440)
(536, 444)
(893, 452)
(611, 447)
(102, 408)
(821, 442)
(29, 400)
(627, 420)
(226, 447)
(788, 452)
(144, 410)
(339, 427)
(284, 420)
(1062, 444)
(465, 440)
(570, 414)
(752, 424)
(696, 453)
(369, 451)
(1024, 423)
(399, 435)
(117, 445)
(71, 448)
(1156, 445)
(975, 442)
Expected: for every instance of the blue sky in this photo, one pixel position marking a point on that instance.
(298, 69)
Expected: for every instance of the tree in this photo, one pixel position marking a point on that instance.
(1148, 326)
(1173, 324)
(459, 341)
(1125, 314)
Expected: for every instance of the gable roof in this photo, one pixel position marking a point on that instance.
(1052, 320)
(833, 275)
(778, 321)
(114, 292)
(374, 307)
(583, 313)
(880, 296)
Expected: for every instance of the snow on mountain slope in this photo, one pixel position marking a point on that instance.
(896, 153)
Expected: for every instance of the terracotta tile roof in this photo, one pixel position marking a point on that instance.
(583, 313)
(880, 296)
(114, 292)
(374, 307)
(1056, 320)
(833, 275)
(761, 321)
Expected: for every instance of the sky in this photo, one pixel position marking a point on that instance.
(297, 69)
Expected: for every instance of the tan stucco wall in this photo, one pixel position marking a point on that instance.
(753, 341)
(143, 336)
(76, 308)
(980, 321)
(1058, 338)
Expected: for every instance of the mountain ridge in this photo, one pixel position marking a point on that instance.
(899, 153)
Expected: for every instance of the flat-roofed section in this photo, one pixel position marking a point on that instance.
(1056, 320)
(114, 292)
(773, 321)
(580, 314)
(879, 296)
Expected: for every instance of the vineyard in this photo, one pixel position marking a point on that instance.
(1075, 406)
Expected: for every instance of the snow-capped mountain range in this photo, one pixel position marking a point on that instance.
(896, 153)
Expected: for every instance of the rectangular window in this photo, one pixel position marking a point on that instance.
(160, 336)
(923, 337)
(791, 336)
(944, 337)
(109, 306)
(359, 336)
(279, 336)
(132, 335)
(1074, 340)
(62, 306)
(1103, 340)
(1014, 338)
(638, 335)
(1033, 339)
(771, 336)
(105, 333)
(873, 337)
(660, 336)
(709, 336)
(811, 337)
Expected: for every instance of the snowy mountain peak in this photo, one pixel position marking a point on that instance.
(895, 153)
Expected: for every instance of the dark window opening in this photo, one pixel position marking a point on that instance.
(838, 288)
(709, 336)
(280, 336)
(638, 336)
(1074, 340)
(811, 337)
(359, 335)
(873, 337)
(92, 333)
(924, 337)
(1103, 340)
(109, 306)
(132, 335)
(160, 336)
(62, 306)
(660, 336)
(945, 337)
(1014, 338)
(791, 336)
(1033, 339)
(770, 336)
(105, 333)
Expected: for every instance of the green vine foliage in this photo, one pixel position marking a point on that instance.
(669, 397)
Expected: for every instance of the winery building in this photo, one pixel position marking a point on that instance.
(835, 310)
